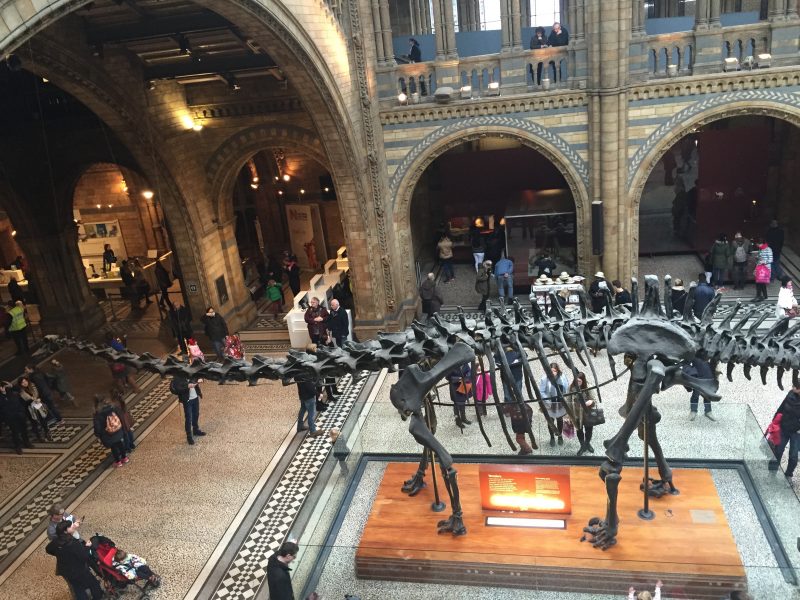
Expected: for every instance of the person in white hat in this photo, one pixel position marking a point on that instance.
(597, 292)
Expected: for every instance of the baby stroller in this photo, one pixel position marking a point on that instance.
(115, 583)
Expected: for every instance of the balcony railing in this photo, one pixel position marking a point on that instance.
(547, 65)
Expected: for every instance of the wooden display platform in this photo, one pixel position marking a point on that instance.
(688, 545)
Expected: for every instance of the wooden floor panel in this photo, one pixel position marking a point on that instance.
(688, 545)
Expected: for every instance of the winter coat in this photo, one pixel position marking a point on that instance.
(721, 256)
(278, 579)
(745, 245)
(679, 299)
(703, 294)
(427, 289)
(180, 387)
(519, 423)
(576, 406)
(790, 409)
(316, 328)
(107, 438)
(338, 323)
(72, 557)
(445, 248)
(555, 408)
(482, 281)
(215, 327)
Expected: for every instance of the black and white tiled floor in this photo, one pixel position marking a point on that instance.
(247, 572)
(22, 522)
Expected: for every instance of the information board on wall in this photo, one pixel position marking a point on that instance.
(525, 488)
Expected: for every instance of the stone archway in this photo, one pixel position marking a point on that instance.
(233, 153)
(402, 184)
(765, 103)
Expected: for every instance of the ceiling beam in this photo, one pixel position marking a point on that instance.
(208, 66)
(149, 29)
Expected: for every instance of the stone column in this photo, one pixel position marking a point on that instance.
(638, 18)
(66, 304)
(386, 32)
(516, 24)
(713, 13)
(701, 14)
(439, 26)
(777, 10)
(609, 32)
(449, 29)
(380, 50)
(505, 26)
(524, 15)
(579, 27)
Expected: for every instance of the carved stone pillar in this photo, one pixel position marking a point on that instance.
(66, 304)
(701, 14)
(380, 49)
(516, 24)
(579, 27)
(524, 14)
(777, 10)
(449, 29)
(386, 32)
(713, 13)
(505, 26)
(638, 18)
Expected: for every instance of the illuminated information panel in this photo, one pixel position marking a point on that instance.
(525, 488)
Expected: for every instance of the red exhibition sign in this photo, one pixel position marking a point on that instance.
(525, 488)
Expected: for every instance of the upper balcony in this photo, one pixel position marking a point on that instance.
(485, 64)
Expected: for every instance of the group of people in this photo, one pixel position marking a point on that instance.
(731, 257)
(572, 407)
(503, 275)
(77, 560)
(558, 37)
(30, 402)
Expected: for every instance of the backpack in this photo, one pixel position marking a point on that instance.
(173, 389)
(113, 424)
(740, 255)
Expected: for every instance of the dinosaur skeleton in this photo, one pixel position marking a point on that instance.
(655, 346)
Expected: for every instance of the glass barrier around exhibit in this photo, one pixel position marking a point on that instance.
(735, 524)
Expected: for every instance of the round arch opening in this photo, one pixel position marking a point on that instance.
(731, 175)
(498, 195)
(284, 200)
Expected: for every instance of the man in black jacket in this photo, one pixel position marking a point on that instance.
(189, 394)
(12, 414)
(216, 330)
(72, 561)
(703, 294)
(790, 428)
(558, 35)
(338, 323)
(278, 578)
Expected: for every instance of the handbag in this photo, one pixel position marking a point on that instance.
(568, 430)
(593, 416)
(464, 388)
(761, 274)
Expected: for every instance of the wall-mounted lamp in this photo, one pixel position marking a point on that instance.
(466, 91)
(402, 98)
(99, 206)
(197, 126)
(302, 191)
(764, 60)
(493, 89)
(280, 192)
(730, 64)
(286, 177)
(14, 233)
(148, 195)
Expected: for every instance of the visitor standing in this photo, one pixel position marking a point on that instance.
(274, 295)
(790, 427)
(521, 416)
(308, 392)
(740, 250)
(504, 276)
(553, 404)
(430, 296)
(774, 239)
(73, 560)
(478, 243)
(293, 273)
(703, 295)
(482, 283)
(56, 514)
(109, 429)
(164, 281)
(701, 369)
(39, 379)
(580, 400)
(59, 381)
(787, 303)
(189, 394)
(445, 248)
(621, 295)
(720, 260)
(338, 323)
(597, 292)
(763, 271)
(460, 387)
(217, 330)
(108, 258)
(12, 414)
(678, 295)
(279, 579)
(180, 320)
(315, 318)
(18, 329)
(558, 36)
(15, 291)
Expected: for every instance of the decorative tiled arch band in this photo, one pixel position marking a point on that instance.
(555, 144)
(784, 102)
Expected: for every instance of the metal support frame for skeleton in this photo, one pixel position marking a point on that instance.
(655, 344)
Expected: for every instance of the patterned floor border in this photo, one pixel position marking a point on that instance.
(22, 523)
(246, 572)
